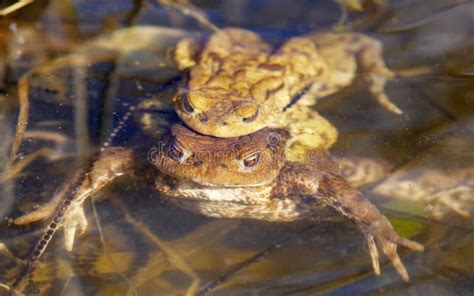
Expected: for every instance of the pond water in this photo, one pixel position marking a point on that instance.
(138, 243)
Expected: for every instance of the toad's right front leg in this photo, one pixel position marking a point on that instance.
(68, 212)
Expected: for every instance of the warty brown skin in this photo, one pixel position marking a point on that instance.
(238, 83)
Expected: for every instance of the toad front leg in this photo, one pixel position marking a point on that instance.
(68, 212)
(308, 130)
(319, 180)
(337, 193)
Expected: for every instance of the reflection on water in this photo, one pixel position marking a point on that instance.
(148, 245)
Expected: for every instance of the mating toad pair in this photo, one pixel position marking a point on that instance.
(253, 146)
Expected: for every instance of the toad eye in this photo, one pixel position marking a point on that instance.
(175, 150)
(251, 117)
(186, 104)
(252, 159)
(247, 111)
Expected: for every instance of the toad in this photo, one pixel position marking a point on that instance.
(257, 182)
(237, 83)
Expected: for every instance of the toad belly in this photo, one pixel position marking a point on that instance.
(242, 202)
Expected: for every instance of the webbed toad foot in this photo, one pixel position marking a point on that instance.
(456, 199)
(386, 238)
(71, 219)
(378, 231)
(68, 211)
(74, 221)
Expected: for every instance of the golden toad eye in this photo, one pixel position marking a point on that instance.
(248, 111)
(174, 150)
(252, 159)
(251, 117)
(186, 104)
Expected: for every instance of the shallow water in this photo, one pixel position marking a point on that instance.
(77, 109)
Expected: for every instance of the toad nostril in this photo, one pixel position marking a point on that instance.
(203, 118)
(223, 166)
(224, 123)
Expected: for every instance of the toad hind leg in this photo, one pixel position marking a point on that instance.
(374, 71)
(348, 53)
(458, 199)
(361, 171)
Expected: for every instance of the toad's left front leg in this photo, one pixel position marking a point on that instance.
(337, 193)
